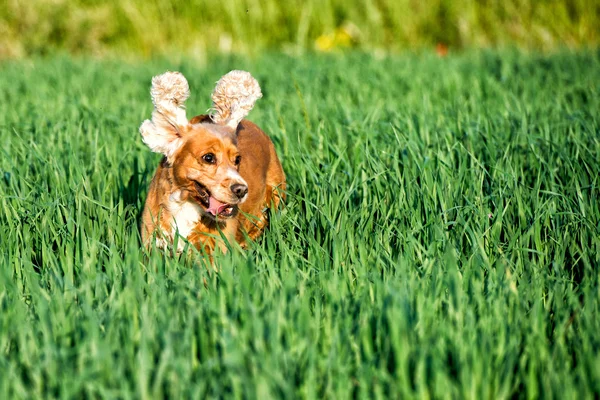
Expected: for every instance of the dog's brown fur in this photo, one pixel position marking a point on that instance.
(183, 193)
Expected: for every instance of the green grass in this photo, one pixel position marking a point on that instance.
(201, 27)
(441, 237)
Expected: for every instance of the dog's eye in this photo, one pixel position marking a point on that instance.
(209, 158)
(238, 159)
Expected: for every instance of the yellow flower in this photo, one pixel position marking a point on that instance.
(325, 42)
(343, 36)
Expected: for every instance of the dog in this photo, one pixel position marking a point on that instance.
(220, 173)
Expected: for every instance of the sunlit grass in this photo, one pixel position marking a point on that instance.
(198, 28)
(441, 236)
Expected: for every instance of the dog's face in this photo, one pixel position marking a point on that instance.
(206, 168)
(203, 153)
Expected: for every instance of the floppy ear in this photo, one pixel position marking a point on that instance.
(233, 98)
(164, 133)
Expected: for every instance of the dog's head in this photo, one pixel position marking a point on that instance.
(202, 154)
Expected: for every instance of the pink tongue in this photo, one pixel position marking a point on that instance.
(215, 207)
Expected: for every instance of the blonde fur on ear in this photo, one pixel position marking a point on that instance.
(169, 91)
(163, 133)
(233, 98)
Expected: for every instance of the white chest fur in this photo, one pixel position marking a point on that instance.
(186, 215)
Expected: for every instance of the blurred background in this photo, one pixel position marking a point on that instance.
(194, 28)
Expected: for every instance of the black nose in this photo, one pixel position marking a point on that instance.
(239, 190)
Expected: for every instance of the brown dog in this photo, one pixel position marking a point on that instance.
(219, 174)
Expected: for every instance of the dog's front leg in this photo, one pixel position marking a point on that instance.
(228, 234)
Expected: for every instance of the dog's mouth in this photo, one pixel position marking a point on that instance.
(214, 207)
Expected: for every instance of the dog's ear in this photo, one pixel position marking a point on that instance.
(164, 133)
(233, 98)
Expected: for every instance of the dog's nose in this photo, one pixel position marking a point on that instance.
(239, 190)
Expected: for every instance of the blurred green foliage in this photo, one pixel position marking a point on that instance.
(197, 27)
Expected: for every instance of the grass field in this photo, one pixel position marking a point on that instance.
(441, 237)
